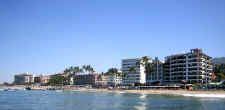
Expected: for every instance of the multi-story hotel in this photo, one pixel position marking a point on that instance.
(85, 79)
(193, 67)
(136, 76)
(157, 72)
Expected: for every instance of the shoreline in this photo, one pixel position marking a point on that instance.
(179, 92)
(215, 94)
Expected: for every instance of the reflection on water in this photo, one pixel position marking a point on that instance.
(50, 100)
(142, 96)
(142, 105)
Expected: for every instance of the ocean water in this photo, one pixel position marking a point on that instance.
(52, 100)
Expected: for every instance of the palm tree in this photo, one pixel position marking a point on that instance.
(132, 69)
(144, 61)
(149, 68)
(67, 72)
(88, 68)
(80, 70)
(112, 71)
(76, 70)
(73, 70)
(124, 75)
(99, 77)
(84, 68)
(91, 69)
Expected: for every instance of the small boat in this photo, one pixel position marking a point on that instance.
(28, 88)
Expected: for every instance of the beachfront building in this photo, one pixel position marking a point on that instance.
(24, 78)
(59, 74)
(136, 75)
(85, 79)
(45, 79)
(157, 72)
(114, 80)
(192, 67)
(108, 80)
(102, 80)
(37, 78)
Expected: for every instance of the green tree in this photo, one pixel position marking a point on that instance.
(73, 70)
(219, 71)
(145, 61)
(132, 69)
(88, 68)
(112, 71)
(221, 76)
(6, 83)
(124, 75)
(99, 77)
(58, 80)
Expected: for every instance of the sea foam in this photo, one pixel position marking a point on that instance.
(206, 95)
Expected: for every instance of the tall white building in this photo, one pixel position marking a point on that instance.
(136, 76)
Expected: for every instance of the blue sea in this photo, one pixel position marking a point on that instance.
(52, 100)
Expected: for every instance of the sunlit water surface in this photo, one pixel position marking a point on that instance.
(51, 100)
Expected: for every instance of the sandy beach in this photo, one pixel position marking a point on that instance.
(182, 92)
(214, 93)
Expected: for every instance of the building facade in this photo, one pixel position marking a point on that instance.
(85, 79)
(26, 78)
(37, 78)
(157, 72)
(23, 78)
(102, 80)
(45, 79)
(192, 67)
(63, 74)
(136, 76)
(114, 80)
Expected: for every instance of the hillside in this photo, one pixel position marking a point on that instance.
(219, 60)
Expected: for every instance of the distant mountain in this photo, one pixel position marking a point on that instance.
(219, 60)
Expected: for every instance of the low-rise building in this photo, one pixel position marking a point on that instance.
(37, 78)
(114, 80)
(85, 79)
(24, 78)
(102, 80)
(45, 79)
(59, 74)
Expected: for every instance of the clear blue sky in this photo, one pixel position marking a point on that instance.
(45, 36)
